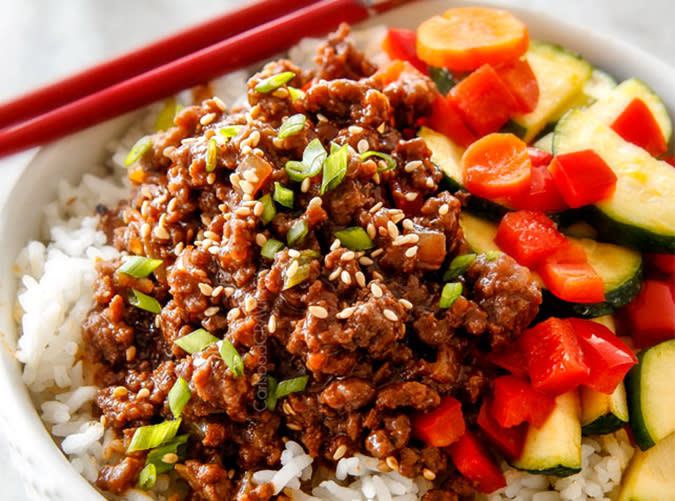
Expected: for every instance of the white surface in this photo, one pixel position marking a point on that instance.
(42, 40)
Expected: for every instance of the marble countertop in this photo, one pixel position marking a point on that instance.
(43, 40)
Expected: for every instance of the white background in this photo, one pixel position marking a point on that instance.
(42, 40)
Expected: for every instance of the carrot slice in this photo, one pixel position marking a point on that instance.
(465, 38)
(497, 165)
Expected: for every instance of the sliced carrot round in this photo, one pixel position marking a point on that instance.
(465, 38)
(497, 165)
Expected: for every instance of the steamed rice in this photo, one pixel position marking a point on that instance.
(56, 290)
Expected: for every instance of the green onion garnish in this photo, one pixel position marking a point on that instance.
(282, 195)
(230, 130)
(231, 357)
(297, 233)
(179, 396)
(144, 302)
(491, 255)
(139, 266)
(271, 247)
(138, 150)
(196, 341)
(355, 238)
(211, 155)
(147, 477)
(274, 82)
(292, 125)
(391, 163)
(300, 275)
(271, 392)
(155, 455)
(458, 266)
(149, 437)
(165, 117)
(334, 168)
(268, 208)
(295, 93)
(289, 386)
(312, 161)
(450, 294)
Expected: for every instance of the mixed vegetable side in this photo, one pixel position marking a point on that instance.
(566, 171)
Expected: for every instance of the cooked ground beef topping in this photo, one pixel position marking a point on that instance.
(364, 326)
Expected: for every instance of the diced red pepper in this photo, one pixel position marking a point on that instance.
(542, 193)
(539, 158)
(510, 358)
(509, 441)
(446, 119)
(582, 177)
(528, 236)
(574, 282)
(515, 402)
(651, 315)
(521, 81)
(476, 463)
(483, 100)
(637, 125)
(555, 361)
(402, 44)
(568, 253)
(442, 426)
(608, 358)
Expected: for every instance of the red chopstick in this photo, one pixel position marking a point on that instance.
(151, 56)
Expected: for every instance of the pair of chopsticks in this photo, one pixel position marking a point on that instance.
(164, 68)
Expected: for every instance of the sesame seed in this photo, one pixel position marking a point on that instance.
(315, 201)
(390, 315)
(428, 474)
(412, 252)
(411, 196)
(413, 238)
(254, 139)
(346, 277)
(412, 166)
(158, 321)
(216, 292)
(143, 393)
(272, 324)
(205, 289)
(260, 239)
(211, 178)
(287, 408)
(211, 235)
(355, 129)
(347, 256)
(339, 452)
(429, 182)
(392, 463)
(246, 197)
(250, 304)
(245, 150)
(219, 102)
(375, 208)
(242, 212)
(258, 152)
(380, 128)
(172, 204)
(229, 291)
(280, 93)
(145, 230)
(293, 426)
(406, 304)
(362, 146)
(400, 240)
(376, 252)
(160, 232)
(443, 209)
(170, 458)
(279, 143)
(120, 392)
(370, 229)
(376, 290)
(179, 248)
(335, 245)
(214, 249)
(346, 313)
(206, 220)
(304, 186)
(207, 119)
(233, 314)
(188, 140)
(376, 178)
(168, 151)
(396, 215)
(382, 231)
(366, 261)
(392, 229)
(246, 187)
(258, 209)
(335, 274)
(292, 269)
(360, 278)
(293, 253)
(321, 117)
(318, 311)
(211, 311)
(250, 176)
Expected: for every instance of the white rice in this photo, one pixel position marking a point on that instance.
(56, 289)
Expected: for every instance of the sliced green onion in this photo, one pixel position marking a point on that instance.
(172, 446)
(300, 275)
(274, 82)
(292, 125)
(458, 266)
(147, 477)
(289, 386)
(312, 161)
(139, 266)
(138, 150)
(166, 115)
(271, 392)
(449, 294)
(154, 435)
(297, 233)
(391, 163)
(144, 302)
(271, 247)
(334, 169)
(211, 155)
(230, 130)
(196, 341)
(268, 208)
(295, 93)
(355, 238)
(231, 357)
(179, 396)
(491, 255)
(282, 195)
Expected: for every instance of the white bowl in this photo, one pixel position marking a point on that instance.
(46, 472)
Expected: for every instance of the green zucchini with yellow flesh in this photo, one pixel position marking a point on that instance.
(650, 476)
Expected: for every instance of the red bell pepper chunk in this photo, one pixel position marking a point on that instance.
(528, 236)
(446, 119)
(402, 44)
(574, 282)
(582, 177)
(555, 361)
(442, 426)
(515, 402)
(510, 358)
(568, 253)
(539, 158)
(521, 81)
(608, 358)
(476, 463)
(637, 125)
(509, 441)
(651, 315)
(483, 100)
(542, 194)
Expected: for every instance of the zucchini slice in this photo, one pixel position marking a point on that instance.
(602, 413)
(620, 269)
(651, 398)
(545, 143)
(598, 86)
(650, 476)
(561, 76)
(608, 107)
(641, 212)
(555, 448)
